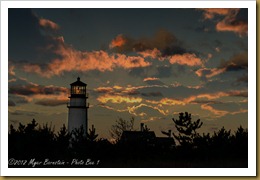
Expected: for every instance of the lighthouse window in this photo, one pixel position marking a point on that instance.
(78, 90)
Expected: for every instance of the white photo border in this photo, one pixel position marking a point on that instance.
(250, 171)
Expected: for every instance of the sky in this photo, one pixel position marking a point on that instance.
(150, 64)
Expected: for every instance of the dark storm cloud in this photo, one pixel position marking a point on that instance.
(17, 100)
(22, 86)
(51, 102)
(32, 89)
(236, 63)
(162, 40)
(132, 92)
(239, 94)
(152, 94)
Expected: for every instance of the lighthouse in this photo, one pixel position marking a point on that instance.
(78, 106)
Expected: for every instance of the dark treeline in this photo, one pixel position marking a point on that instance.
(32, 142)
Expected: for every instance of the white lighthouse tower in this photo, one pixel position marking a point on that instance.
(78, 106)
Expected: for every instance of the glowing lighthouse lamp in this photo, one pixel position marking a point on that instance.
(78, 106)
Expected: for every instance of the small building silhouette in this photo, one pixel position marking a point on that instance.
(145, 137)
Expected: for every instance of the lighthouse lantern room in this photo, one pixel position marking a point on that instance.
(78, 106)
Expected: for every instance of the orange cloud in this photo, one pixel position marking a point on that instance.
(171, 102)
(240, 27)
(128, 62)
(117, 87)
(216, 95)
(229, 22)
(150, 79)
(117, 99)
(191, 99)
(154, 53)
(35, 68)
(221, 112)
(186, 59)
(167, 102)
(214, 111)
(104, 89)
(132, 110)
(210, 13)
(73, 60)
(119, 41)
(48, 24)
(11, 70)
(209, 72)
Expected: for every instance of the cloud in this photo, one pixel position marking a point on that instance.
(150, 79)
(22, 91)
(217, 95)
(163, 46)
(154, 53)
(22, 112)
(210, 13)
(186, 59)
(235, 63)
(232, 19)
(161, 40)
(171, 102)
(233, 23)
(208, 73)
(214, 111)
(29, 36)
(81, 61)
(152, 94)
(153, 118)
(33, 89)
(134, 110)
(206, 102)
(117, 99)
(203, 98)
(46, 23)
(104, 89)
(131, 92)
(51, 102)
(220, 113)
(11, 70)
(153, 81)
(119, 41)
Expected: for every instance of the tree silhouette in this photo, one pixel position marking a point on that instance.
(222, 149)
(92, 136)
(186, 128)
(62, 142)
(120, 126)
